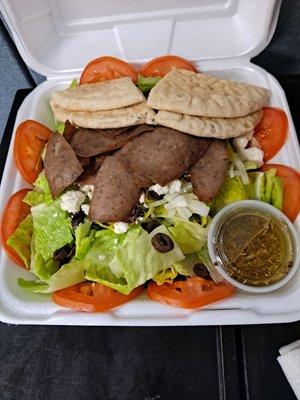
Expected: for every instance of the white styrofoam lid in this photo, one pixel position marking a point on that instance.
(57, 37)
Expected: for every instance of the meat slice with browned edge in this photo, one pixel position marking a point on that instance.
(62, 168)
(115, 193)
(162, 155)
(209, 172)
(90, 142)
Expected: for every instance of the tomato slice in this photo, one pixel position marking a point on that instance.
(271, 132)
(162, 65)
(14, 213)
(193, 293)
(31, 138)
(92, 297)
(291, 188)
(106, 68)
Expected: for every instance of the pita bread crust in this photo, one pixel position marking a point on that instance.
(218, 128)
(107, 95)
(191, 93)
(127, 116)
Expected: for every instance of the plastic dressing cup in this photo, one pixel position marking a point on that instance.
(230, 236)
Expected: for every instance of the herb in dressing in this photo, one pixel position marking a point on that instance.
(254, 247)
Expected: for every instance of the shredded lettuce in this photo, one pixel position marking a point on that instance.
(41, 268)
(41, 192)
(84, 239)
(68, 275)
(146, 84)
(134, 262)
(51, 227)
(74, 84)
(166, 275)
(20, 240)
(59, 127)
(190, 236)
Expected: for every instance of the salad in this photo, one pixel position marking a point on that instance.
(125, 207)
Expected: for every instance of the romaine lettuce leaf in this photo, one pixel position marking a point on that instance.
(146, 84)
(84, 238)
(67, 275)
(134, 262)
(51, 228)
(166, 275)
(41, 192)
(59, 127)
(41, 268)
(190, 236)
(20, 240)
(73, 84)
(104, 247)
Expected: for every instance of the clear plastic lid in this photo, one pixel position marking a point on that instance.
(58, 37)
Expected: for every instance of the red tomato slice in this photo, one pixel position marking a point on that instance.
(162, 65)
(106, 68)
(271, 132)
(30, 140)
(193, 293)
(92, 297)
(291, 188)
(14, 213)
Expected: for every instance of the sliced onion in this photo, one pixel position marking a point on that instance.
(198, 207)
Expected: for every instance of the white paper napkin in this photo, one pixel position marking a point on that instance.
(289, 360)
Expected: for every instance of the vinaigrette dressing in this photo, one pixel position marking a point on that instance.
(254, 247)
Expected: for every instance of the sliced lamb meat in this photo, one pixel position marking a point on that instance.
(199, 147)
(90, 171)
(209, 173)
(162, 155)
(62, 167)
(69, 130)
(84, 161)
(90, 142)
(115, 193)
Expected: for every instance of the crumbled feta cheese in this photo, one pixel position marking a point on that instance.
(172, 187)
(142, 198)
(85, 208)
(120, 227)
(160, 190)
(72, 200)
(252, 154)
(175, 186)
(88, 190)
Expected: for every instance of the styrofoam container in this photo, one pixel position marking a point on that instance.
(57, 38)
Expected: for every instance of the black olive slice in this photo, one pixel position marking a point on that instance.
(162, 243)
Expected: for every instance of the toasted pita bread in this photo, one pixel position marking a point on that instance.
(189, 93)
(107, 95)
(218, 128)
(127, 116)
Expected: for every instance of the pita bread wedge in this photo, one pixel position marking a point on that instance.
(218, 128)
(107, 95)
(127, 116)
(187, 92)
